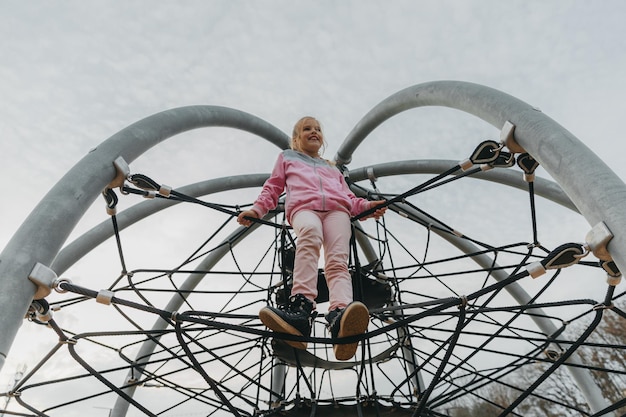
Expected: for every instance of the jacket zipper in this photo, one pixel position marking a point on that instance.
(319, 178)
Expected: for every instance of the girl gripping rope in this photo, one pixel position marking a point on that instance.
(318, 206)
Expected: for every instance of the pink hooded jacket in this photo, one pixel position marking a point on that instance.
(310, 183)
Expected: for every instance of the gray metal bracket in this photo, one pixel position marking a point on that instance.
(44, 278)
(507, 137)
(597, 240)
(123, 171)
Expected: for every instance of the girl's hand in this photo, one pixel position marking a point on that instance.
(379, 212)
(241, 218)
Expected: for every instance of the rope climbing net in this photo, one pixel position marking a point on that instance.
(484, 321)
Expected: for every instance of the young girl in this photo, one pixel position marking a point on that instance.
(318, 205)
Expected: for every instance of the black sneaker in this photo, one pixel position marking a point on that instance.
(349, 321)
(295, 318)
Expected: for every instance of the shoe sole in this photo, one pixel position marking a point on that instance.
(354, 321)
(277, 324)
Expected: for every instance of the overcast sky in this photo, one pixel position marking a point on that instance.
(73, 73)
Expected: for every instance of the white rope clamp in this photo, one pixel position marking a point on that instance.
(104, 297)
(613, 281)
(39, 310)
(466, 164)
(602, 306)
(165, 190)
(44, 317)
(463, 302)
(613, 274)
(535, 269)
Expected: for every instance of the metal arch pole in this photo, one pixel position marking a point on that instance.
(595, 190)
(45, 230)
(543, 187)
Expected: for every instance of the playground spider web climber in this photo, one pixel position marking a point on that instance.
(446, 326)
(414, 360)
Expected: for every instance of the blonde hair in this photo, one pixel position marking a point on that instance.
(297, 128)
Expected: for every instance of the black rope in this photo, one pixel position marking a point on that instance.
(487, 152)
(106, 382)
(406, 194)
(150, 187)
(208, 324)
(214, 385)
(569, 352)
(444, 362)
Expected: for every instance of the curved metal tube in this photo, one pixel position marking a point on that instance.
(89, 240)
(543, 187)
(43, 233)
(577, 170)
(593, 187)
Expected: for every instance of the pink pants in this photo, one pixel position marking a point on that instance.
(330, 229)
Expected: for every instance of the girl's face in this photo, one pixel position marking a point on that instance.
(310, 138)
